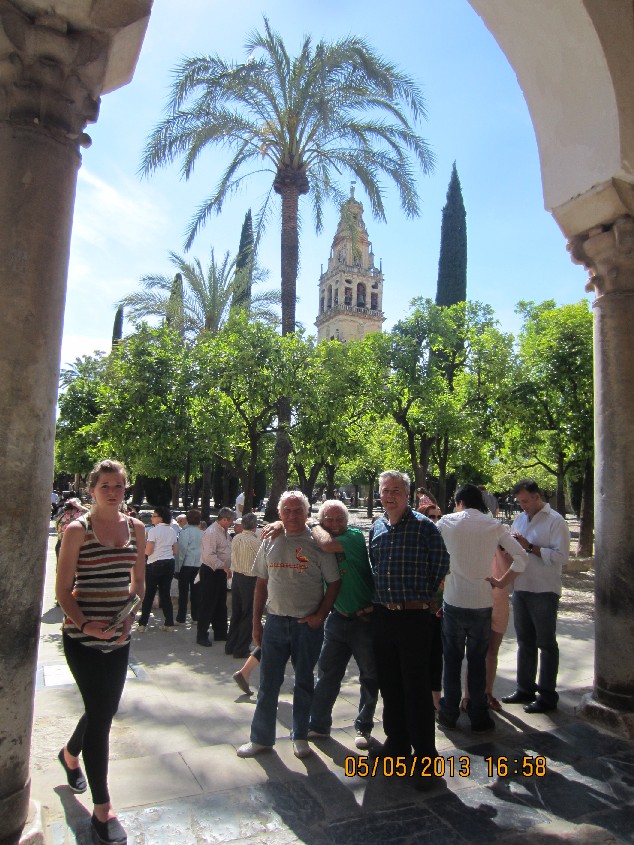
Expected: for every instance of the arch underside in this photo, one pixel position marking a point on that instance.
(574, 61)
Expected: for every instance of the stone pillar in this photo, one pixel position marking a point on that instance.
(52, 71)
(609, 254)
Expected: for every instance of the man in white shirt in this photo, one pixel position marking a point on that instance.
(215, 557)
(240, 504)
(544, 534)
(471, 536)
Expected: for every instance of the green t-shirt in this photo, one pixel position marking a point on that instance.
(357, 582)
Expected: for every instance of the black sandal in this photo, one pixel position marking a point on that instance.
(75, 777)
(110, 832)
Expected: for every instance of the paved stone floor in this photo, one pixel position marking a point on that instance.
(175, 777)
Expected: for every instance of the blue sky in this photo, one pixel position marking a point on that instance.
(477, 116)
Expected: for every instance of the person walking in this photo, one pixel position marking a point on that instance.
(187, 565)
(160, 548)
(101, 564)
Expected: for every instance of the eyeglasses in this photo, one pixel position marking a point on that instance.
(435, 516)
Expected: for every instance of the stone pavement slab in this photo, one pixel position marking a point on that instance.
(175, 777)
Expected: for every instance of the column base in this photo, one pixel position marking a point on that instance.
(620, 722)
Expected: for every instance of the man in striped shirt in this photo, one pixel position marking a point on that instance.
(409, 561)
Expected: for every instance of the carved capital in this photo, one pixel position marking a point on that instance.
(56, 58)
(608, 254)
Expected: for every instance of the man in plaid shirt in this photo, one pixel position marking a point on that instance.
(409, 560)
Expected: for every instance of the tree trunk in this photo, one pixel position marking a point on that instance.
(175, 485)
(280, 458)
(307, 482)
(330, 481)
(186, 484)
(370, 502)
(586, 523)
(289, 186)
(206, 492)
(443, 455)
(138, 490)
(198, 483)
(561, 494)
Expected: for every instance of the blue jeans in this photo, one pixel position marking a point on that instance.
(345, 637)
(471, 627)
(535, 617)
(285, 637)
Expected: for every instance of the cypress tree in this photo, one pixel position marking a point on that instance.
(175, 312)
(244, 266)
(117, 328)
(452, 263)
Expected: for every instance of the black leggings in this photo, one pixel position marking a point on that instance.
(100, 677)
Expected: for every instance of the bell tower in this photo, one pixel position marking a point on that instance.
(351, 289)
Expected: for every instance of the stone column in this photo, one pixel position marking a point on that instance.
(609, 254)
(52, 71)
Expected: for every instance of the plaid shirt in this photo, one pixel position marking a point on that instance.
(409, 559)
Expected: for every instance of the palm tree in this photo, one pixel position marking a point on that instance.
(333, 108)
(197, 300)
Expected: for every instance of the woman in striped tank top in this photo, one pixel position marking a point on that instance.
(101, 563)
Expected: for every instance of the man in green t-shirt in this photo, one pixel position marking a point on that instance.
(347, 632)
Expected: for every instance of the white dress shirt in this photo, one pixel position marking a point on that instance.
(471, 538)
(548, 530)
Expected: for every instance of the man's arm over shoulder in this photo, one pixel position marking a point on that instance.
(325, 541)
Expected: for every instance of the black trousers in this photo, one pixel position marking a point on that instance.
(241, 623)
(402, 648)
(212, 609)
(158, 576)
(100, 677)
(187, 588)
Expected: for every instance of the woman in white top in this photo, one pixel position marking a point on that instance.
(160, 548)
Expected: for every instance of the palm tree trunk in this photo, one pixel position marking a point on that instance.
(280, 458)
(289, 247)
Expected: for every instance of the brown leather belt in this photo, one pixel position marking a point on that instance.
(406, 605)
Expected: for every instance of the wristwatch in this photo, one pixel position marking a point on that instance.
(529, 548)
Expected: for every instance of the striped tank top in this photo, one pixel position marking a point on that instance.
(102, 584)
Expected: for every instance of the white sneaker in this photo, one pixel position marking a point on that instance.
(168, 628)
(141, 629)
(250, 749)
(301, 748)
(362, 740)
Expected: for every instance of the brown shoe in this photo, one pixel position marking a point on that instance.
(240, 680)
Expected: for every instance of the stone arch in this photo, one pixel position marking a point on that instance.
(573, 61)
